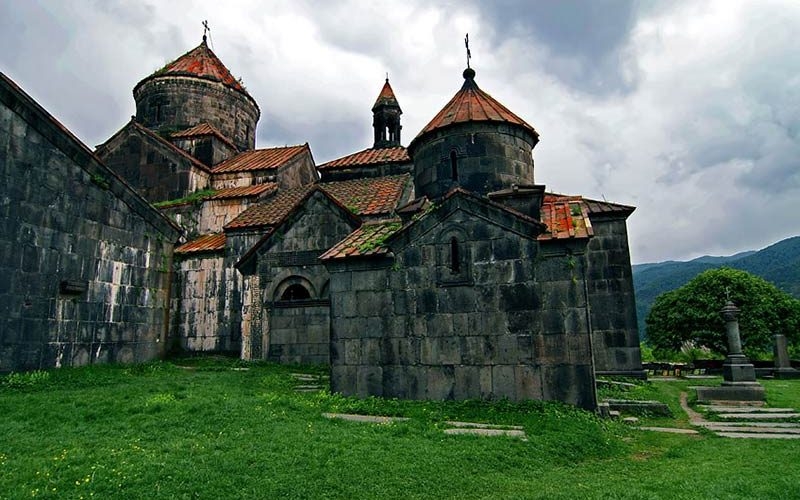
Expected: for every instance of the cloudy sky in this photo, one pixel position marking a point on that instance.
(688, 110)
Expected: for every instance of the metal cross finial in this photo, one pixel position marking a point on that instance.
(206, 30)
(466, 44)
(728, 293)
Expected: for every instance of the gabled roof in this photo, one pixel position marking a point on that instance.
(595, 207)
(200, 62)
(260, 159)
(272, 211)
(366, 241)
(158, 139)
(370, 156)
(375, 196)
(19, 102)
(386, 97)
(206, 243)
(243, 192)
(565, 218)
(471, 104)
(204, 129)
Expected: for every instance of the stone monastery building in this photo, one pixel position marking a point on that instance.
(440, 270)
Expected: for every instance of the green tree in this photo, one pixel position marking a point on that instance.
(691, 313)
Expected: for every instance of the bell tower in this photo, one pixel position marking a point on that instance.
(386, 118)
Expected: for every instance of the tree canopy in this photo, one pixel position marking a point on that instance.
(691, 313)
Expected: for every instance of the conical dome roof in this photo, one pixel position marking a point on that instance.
(200, 62)
(471, 104)
(386, 97)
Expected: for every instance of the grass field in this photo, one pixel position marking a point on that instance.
(213, 430)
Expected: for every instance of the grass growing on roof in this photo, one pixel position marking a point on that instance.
(218, 428)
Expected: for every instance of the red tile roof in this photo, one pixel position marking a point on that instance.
(386, 97)
(271, 211)
(594, 206)
(371, 156)
(205, 243)
(243, 192)
(202, 130)
(566, 217)
(367, 240)
(471, 104)
(200, 62)
(374, 196)
(260, 159)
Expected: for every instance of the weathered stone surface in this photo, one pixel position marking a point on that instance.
(84, 260)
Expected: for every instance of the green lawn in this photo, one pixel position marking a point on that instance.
(213, 431)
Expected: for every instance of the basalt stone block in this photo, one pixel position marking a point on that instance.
(467, 382)
(440, 382)
(528, 380)
(369, 381)
(503, 382)
(343, 379)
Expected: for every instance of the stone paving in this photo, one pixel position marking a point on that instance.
(309, 383)
(455, 427)
(738, 424)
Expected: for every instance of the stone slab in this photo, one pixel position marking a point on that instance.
(745, 409)
(747, 392)
(787, 425)
(486, 432)
(372, 419)
(478, 425)
(757, 416)
(752, 429)
(671, 430)
(750, 435)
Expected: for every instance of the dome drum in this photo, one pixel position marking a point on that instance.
(172, 103)
(480, 156)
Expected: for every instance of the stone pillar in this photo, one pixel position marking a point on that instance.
(739, 375)
(737, 368)
(783, 365)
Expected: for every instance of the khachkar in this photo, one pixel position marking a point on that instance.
(783, 365)
(738, 373)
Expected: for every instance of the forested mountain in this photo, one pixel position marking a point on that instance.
(778, 263)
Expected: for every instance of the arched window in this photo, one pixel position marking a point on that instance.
(453, 165)
(295, 292)
(455, 258)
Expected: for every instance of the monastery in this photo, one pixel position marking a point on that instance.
(440, 270)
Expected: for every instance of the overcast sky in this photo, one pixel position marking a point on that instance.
(688, 110)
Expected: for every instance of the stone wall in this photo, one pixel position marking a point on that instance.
(298, 171)
(203, 313)
(155, 170)
(209, 149)
(84, 261)
(510, 323)
(488, 157)
(173, 103)
(612, 300)
(214, 214)
(295, 327)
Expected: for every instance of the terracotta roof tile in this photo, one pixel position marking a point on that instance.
(371, 156)
(243, 192)
(372, 196)
(365, 241)
(565, 218)
(205, 243)
(200, 62)
(471, 104)
(260, 159)
(386, 97)
(593, 206)
(202, 130)
(271, 211)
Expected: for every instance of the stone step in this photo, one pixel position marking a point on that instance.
(479, 425)
(758, 416)
(751, 429)
(745, 409)
(487, 432)
(750, 435)
(372, 419)
(671, 430)
(788, 425)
